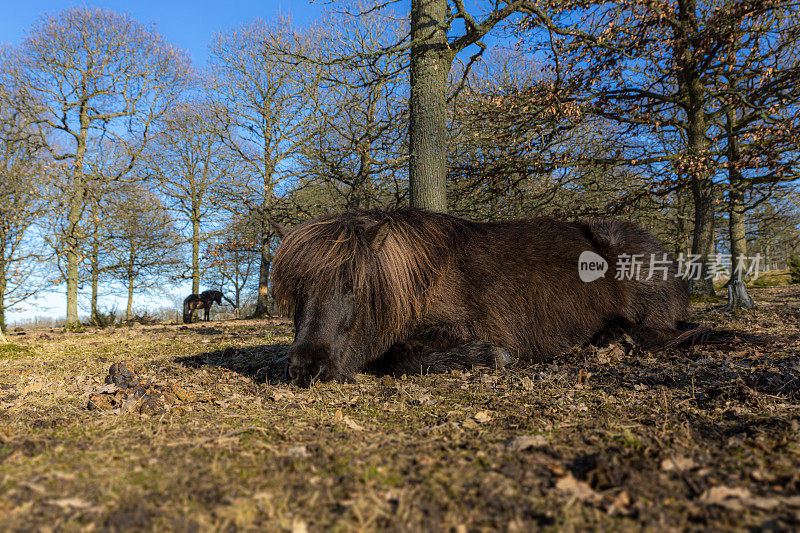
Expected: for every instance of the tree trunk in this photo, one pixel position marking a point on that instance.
(683, 237)
(3, 282)
(703, 237)
(195, 247)
(688, 77)
(2, 293)
(94, 314)
(129, 308)
(738, 297)
(736, 217)
(94, 260)
(738, 235)
(72, 237)
(72, 252)
(262, 302)
(430, 66)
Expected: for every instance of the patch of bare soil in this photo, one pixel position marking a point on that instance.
(172, 427)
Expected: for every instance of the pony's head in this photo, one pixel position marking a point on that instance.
(354, 283)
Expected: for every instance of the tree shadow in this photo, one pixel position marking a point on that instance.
(726, 391)
(201, 330)
(262, 364)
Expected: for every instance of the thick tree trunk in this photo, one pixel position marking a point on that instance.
(703, 237)
(738, 235)
(430, 66)
(697, 147)
(262, 302)
(736, 226)
(72, 251)
(695, 159)
(72, 237)
(738, 297)
(683, 237)
(129, 308)
(737, 187)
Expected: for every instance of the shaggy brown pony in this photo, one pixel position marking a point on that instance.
(204, 300)
(412, 291)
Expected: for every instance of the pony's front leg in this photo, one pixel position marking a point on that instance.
(414, 357)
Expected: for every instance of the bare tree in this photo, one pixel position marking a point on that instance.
(23, 201)
(187, 161)
(144, 241)
(232, 259)
(103, 161)
(95, 74)
(358, 145)
(262, 99)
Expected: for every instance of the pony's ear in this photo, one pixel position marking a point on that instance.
(280, 229)
(376, 234)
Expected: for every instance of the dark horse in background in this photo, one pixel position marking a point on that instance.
(412, 291)
(200, 301)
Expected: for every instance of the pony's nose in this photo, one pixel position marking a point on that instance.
(307, 363)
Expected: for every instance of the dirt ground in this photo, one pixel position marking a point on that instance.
(194, 432)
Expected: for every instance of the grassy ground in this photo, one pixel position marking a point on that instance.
(701, 438)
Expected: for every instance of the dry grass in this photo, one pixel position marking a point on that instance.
(703, 438)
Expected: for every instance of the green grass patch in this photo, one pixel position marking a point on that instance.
(702, 298)
(773, 279)
(14, 350)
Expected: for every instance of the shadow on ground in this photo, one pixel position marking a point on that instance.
(262, 364)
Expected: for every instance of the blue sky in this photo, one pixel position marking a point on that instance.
(187, 24)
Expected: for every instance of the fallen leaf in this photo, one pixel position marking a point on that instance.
(298, 451)
(70, 503)
(482, 417)
(738, 498)
(349, 422)
(611, 352)
(577, 489)
(35, 385)
(425, 399)
(730, 498)
(109, 388)
(279, 395)
(524, 442)
(678, 463)
(618, 505)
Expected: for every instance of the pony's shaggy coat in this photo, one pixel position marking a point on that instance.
(424, 284)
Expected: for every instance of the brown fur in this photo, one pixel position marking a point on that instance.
(423, 284)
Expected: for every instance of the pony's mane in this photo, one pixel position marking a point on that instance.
(332, 255)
